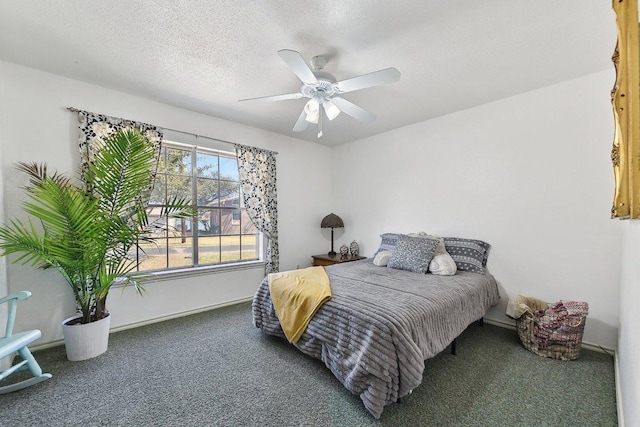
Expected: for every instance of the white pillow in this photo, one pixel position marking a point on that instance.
(382, 258)
(442, 264)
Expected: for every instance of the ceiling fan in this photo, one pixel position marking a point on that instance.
(324, 91)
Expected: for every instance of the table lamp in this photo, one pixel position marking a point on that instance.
(332, 221)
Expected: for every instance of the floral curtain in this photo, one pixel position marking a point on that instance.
(94, 128)
(257, 170)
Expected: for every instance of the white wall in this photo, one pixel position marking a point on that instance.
(4, 363)
(530, 174)
(628, 337)
(628, 379)
(36, 127)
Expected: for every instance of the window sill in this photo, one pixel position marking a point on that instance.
(158, 276)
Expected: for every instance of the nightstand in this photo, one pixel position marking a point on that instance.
(333, 259)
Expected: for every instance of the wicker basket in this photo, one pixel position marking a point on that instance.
(558, 336)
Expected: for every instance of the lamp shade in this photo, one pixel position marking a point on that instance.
(331, 109)
(312, 109)
(331, 221)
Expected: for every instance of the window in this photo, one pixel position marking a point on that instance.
(222, 231)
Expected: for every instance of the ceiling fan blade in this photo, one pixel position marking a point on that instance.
(286, 96)
(353, 110)
(388, 75)
(295, 61)
(302, 123)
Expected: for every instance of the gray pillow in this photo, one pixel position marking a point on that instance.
(413, 253)
(388, 242)
(469, 255)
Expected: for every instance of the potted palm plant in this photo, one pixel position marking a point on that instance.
(87, 230)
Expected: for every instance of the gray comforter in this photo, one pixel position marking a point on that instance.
(381, 324)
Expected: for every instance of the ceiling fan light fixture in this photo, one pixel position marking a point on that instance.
(324, 92)
(331, 110)
(312, 109)
(312, 118)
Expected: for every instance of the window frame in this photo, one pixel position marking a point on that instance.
(196, 144)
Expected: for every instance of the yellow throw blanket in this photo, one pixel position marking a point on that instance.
(296, 296)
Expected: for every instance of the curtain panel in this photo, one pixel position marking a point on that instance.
(95, 128)
(257, 169)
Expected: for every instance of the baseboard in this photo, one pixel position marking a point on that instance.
(620, 407)
(152, 321)
(585, 345)
(500, 323)
(179, 314)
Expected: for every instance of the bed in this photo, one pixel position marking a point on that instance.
(382, 323)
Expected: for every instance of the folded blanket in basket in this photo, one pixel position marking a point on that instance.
(520, 305)
(296, 296)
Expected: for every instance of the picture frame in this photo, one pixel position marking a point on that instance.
(625, 99)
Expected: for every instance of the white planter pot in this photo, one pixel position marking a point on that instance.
(85, 341)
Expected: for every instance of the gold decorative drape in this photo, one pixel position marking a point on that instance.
(625, 97)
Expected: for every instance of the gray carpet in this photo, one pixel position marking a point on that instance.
(216, 369)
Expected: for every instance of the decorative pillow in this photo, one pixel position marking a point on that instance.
(442, 264)
(413, 253)
(469, 255)
(382, 258)
(388, 242)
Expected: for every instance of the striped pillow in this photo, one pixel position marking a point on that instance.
(468, 254)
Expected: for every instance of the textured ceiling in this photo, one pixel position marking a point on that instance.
(205, 55)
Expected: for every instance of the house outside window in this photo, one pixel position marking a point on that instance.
(222, 232)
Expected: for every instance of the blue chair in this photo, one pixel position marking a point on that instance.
(12, 343)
